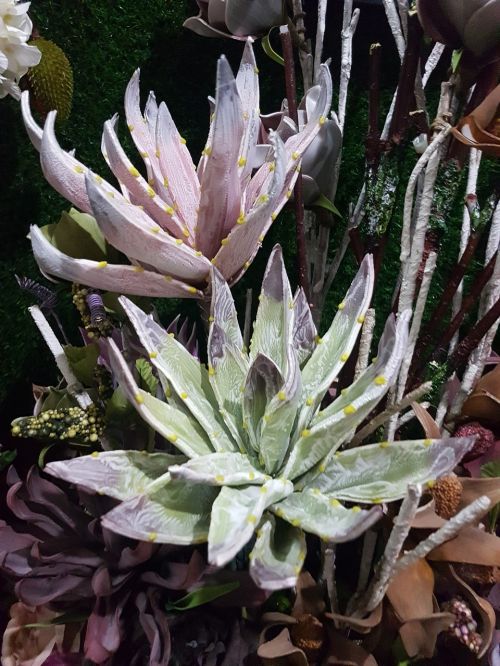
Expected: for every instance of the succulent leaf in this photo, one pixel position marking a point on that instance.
(118, 474)
(236, 513)
(176, 513)
(258, 460)
(325, 516)
(349, 474)
(278, 554)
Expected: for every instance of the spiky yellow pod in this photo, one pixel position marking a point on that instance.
(51, 81)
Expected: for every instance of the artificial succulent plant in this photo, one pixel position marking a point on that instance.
(259, 458)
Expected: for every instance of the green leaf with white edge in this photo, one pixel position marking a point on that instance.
(278, 554)
(235, 515)
(262, 383)
(333, 350)
(330, 427)
(269, 51)
(279, 417)
(273, 323)
(324, 202)
(382, 472)
(203, 595)
(177, 513)
(118, 474)
(325, 516)
(187, 376)
(304, 330)
(177, 427)
(220, 469)
(147, 379)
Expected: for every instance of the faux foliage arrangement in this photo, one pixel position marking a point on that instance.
(215, 493)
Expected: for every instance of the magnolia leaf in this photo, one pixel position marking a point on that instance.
(83, 361)
(278, 554)
(202, 595)
(176, 513)
(118, 474)
(269, 51)
(148, 380)
(219, 469)
(323, 202)
(235, 515)
(273, 323)
(349, 475)
(324, 516)
(78, 235)
(187, 376)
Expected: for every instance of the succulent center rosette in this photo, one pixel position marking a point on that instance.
(171, 220)
(259, 459)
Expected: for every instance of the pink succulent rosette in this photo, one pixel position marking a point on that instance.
(176, 221)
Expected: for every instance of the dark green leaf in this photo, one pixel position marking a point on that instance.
(201, 596)
(269, 51)
(83, 361)
(6, 457)
(491, 469)
(148, 381)
(324, 202)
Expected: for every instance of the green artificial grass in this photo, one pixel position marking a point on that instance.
(105, 41)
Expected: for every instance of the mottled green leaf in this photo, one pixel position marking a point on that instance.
(219, 469)
(187, 376)
(118, 474)
(177, 513)
(324, 516)
(382, 472)
(273, 323)
(147, 379)
(235, 515)
(278, 554)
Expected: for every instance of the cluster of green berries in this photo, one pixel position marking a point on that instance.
(96, 325)
(82, 426)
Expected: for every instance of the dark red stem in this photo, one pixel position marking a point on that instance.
(406, 84)
(291, 95)
(475, 335)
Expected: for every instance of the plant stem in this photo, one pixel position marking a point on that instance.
(406, 85)
(472, 339)
(291, 95)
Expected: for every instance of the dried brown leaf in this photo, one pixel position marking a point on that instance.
(280, 651)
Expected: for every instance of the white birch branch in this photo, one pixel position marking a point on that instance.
(320, 36)
(387, 566)
(73, 385)
(365, 343)
(349, 23)
(392, 14)
(468, 516)
(432, 61)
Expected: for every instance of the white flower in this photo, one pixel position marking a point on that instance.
(16, 56)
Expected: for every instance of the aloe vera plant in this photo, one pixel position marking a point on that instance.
(257, 454)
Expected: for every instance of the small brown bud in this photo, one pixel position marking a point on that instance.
(447, 492)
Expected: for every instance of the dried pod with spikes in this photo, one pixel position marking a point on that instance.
(51, 81)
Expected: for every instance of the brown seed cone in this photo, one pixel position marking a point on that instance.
(447, 492)
(308, 635)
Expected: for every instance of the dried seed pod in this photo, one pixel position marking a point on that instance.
(484, 439)
(447, 492)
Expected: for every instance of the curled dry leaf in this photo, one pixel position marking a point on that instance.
(280, 651)
(361, 625)
(484, 401)
(429, 425)
(344, 652)
(471, 546)
(482, 607)
(411, 596)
